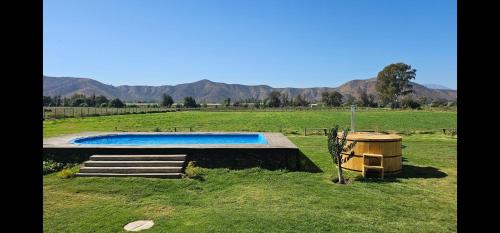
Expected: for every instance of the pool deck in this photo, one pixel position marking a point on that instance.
(275, 140)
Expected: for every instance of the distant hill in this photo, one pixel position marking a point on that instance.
(213, 91)
(436, 86)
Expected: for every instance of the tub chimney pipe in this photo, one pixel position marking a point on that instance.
(353, 114)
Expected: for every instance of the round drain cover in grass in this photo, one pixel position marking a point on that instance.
(139, 225)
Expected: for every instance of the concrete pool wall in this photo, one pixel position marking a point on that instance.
(278, 153)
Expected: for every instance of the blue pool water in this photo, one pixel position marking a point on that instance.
(158, 139)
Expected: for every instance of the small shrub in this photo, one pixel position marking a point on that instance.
(192, 171)
(50, 166)
(156, 129)
(68, 172)
(439, 103)
(451, 132)
(336, 146)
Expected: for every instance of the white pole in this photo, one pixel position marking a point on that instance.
(353, 114)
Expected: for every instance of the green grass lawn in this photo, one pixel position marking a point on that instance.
(421, 199)
(287, 122)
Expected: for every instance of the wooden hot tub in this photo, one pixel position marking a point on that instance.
(388, 145)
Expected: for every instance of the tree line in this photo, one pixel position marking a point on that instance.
(80, 100)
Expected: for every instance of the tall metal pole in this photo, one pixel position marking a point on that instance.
(353, 116)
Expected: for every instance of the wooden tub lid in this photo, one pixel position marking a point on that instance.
(372, 137)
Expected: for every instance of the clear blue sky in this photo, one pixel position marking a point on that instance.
(282, 43)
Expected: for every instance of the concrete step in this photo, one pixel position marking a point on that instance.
(179, 157)
(133, 163)
(148, 175)
(130, 170)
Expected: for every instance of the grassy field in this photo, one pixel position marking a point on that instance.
(286, 122)
(421, 199)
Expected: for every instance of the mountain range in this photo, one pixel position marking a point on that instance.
(215, 91)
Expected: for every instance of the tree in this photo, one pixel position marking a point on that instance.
(47, 100)
(300, 100)
(257, 104)
(349, 100)
(336, 98)
(91, 101)
(408, 102)
(66, 102)
(116, 103)
(371, 101)
(100, 100)
(394, 81)
(333, 98)
(189, 102)
(77, 102)
(324, 97)
(366, 100)
(285, 101)
(227, 102)
(57, 100)
(335, 147)
(167, 101)
(274, 99)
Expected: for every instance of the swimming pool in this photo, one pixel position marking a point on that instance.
(208, 149)
(162, 139)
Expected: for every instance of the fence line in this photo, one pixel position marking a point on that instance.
(65, 112)
(72, 112)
